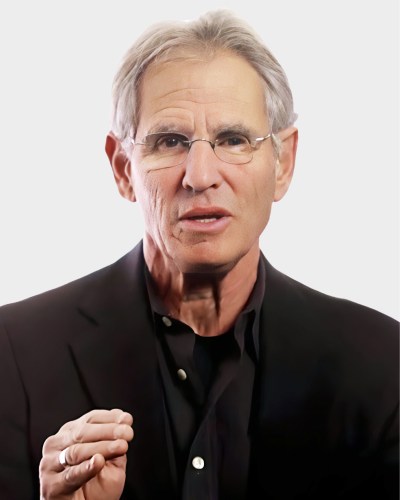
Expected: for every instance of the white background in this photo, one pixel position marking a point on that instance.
(60, 214)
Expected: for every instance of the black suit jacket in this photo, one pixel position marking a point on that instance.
(324, 416)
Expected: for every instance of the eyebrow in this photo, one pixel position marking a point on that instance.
(235, 128)
(166, 127)
(222, 128)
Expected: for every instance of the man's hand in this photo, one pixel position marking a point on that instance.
(95, 453)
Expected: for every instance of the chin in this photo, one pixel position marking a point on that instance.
(206, 268)
(191, 262)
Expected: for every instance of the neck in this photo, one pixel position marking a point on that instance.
(208, 302)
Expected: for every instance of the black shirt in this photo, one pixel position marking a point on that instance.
(208, 386)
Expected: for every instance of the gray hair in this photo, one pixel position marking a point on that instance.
(215, 31)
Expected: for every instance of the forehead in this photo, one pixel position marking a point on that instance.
(197, 92)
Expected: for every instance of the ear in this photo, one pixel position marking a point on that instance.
(285, 162)
(121, 166)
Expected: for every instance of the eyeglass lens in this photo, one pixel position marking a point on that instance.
(164, 150)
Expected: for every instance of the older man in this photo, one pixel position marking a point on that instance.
(239, 382)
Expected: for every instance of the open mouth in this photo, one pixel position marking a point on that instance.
(210, 219)
(205, 218)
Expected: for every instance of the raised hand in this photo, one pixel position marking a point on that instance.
(86, 459)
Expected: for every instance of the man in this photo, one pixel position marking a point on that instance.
(239, 382)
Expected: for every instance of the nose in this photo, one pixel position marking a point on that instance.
(202, 169)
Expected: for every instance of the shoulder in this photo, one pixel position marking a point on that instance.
(63, 303)
(323, 337)
(300, 304)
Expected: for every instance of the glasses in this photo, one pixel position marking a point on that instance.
(169, 149)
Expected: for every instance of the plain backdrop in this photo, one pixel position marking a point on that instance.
(61, 217)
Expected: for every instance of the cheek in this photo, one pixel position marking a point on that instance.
(260, 195)
(153, 200)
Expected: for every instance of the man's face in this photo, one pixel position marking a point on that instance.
(204, 214)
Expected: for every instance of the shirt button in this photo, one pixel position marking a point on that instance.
(166, 321)
(198, 463)
(181, 374)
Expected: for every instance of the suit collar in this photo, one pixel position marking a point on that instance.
(116, 308)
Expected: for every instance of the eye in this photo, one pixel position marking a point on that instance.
(233, 141)
(166, 141)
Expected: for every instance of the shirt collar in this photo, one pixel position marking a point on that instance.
(251, 310)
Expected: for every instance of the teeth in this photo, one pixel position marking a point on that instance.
(211, 219)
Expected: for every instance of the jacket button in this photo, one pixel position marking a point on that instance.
(181, 374)
(166, 321)
(198, 463)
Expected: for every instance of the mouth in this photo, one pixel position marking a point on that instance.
(205, 219)
(205, 214)
(210, 220)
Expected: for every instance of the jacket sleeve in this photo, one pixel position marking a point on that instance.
(17, 479)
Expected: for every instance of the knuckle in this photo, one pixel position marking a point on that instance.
(124, 432)
(48, 487)
(74, 477)
(121, 431)
(117, 432)
(90, 416)
(117, 415)
(43, 466)
(66, 426)
(50, 444)
(70, 476)
(116, 411)
(119, 446)
(130, 433)
(78, 434)
(45, 490)
(93, 416)
(72, 454)
(46, 445)
(125, 418)
(122, 445)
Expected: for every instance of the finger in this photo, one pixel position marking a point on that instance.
(101, 417)
(70, 478)
(80, 433)
(110, 440)
(75, 477)
(79, 453)
(107, 416)
(86, 433)
(90, 433)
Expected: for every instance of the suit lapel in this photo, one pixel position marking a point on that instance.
(117, 361)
